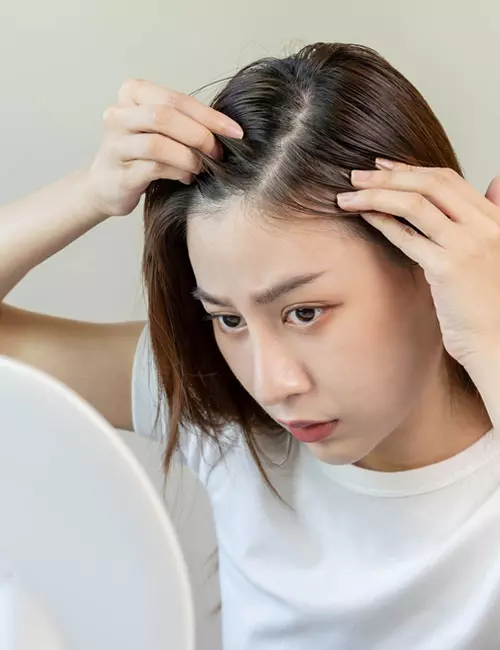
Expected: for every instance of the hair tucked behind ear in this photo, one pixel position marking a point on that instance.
(308, 119)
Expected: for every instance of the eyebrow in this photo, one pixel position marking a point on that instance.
(265, 297)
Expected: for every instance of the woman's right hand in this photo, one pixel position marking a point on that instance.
(151, 132)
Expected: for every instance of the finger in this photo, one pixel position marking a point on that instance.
(493, 192)
(446, 189)
(385, 163)
(415, 208)
(395, 165)
(404, 237)
(140, 91)
(164, 120)
(154, 147)
(143, 172)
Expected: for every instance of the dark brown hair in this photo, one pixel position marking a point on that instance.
(309, 119)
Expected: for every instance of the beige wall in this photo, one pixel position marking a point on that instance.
(62, 62)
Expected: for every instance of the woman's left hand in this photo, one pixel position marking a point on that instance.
(459, 251)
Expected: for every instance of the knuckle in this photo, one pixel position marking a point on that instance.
(204, 140)
(469, 247)
(433, 183)
(109, 115)
(129, 87)
(140, 173)
(171, 98)
(179, 174)
(495, 232)
(131, 83)
(150, 168)
(160, 115)
(154, 171)
(152, 147)
(131, 177)
(416, 201)
(492, 231)
(446, 175)
(106, 115)
(372, 195)
(449, 173)
(439, 178)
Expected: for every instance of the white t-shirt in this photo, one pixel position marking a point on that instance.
(363, 560)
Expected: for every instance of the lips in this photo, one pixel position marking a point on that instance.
(309, 430)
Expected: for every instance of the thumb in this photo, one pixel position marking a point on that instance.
(493, 192)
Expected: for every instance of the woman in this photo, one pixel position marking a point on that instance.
(340, 404)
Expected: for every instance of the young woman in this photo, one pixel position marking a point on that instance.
(322, 348)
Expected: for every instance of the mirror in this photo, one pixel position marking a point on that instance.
(89, 559)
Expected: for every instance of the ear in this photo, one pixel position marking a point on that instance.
(493, 192)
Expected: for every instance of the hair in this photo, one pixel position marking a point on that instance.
(309, 119)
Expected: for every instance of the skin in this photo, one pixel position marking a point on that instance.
(364, 347)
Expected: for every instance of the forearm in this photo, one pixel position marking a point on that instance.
(37, 226)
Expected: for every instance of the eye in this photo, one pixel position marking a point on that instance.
(304, 315)
(226, 322)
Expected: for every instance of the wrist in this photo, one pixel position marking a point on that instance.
(88, 198)
(484, 370)
(485, 362)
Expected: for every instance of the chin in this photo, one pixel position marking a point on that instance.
(334, 457)
(335, 452)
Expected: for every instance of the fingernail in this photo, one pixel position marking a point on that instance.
(346, 197)
(360, 175)
(232, 130)
(384, 163)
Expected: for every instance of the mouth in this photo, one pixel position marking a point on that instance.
(310, 430)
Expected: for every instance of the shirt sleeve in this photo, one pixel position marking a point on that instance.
(145, 392)
(197, 455)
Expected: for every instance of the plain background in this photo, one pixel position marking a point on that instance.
(62, 62)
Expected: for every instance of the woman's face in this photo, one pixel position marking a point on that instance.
(316, 324)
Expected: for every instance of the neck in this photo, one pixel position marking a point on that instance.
(441, 424)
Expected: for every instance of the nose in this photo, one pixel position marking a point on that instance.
(277, 374)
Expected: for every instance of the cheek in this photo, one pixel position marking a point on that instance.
(377, 353)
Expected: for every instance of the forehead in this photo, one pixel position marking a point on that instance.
(237, 245)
